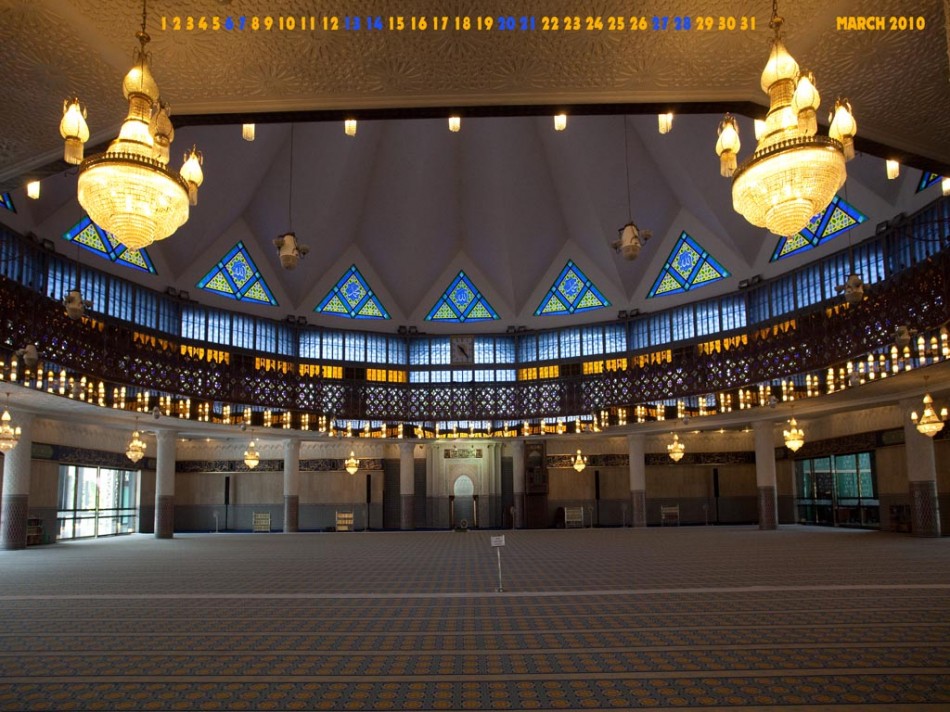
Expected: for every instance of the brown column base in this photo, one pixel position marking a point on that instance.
(924, 508)
(291, 513)
(15, 511)
(407, 514)
(164, 516)
(638, 503)
(768, 513)
(519, 510)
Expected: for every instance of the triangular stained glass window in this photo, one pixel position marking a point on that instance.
(91, 237)
(839, 217)
(7, 202)
(571, 292)
(351, 297)
(927, 179)
(461, 302)
(688, 267)
(237, 277)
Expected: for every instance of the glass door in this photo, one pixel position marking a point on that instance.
(97, 501)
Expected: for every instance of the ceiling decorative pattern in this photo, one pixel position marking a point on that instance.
(55, 48)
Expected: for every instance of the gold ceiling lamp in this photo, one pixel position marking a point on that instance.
(676, 448)
(252, 458)
(929, 423)
(794, 172)
(135, 450)
(352, 463)
(794, 436)
(580, 462)
(9, 434)
(129, 190)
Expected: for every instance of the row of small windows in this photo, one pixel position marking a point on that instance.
(913, 241)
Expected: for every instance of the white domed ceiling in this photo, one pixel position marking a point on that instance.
(506, 200)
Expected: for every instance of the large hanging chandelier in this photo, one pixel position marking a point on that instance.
(352, 464)
(794, 436)
(580, 462)
(129, 190)
(251, 457)
(9, 435)
(929, 423)
(676, 448)
(794, 173)
(135, 450)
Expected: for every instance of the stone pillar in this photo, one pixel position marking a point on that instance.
(765, 474)
(407, 486)
(291, 485)
(165, 485)
(638, 479)
(517, 472)
(15, 507)
(921, 474)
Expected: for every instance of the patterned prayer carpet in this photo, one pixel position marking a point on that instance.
(712, 618)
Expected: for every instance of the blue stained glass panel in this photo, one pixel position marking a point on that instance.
(837, 218)
(927, 179)
(689, 266)
(351, 297)
(571, 292)
(461, 302)
(91, 237)
(7, 202)
(236, 276)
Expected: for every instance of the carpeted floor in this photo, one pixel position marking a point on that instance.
(800, 618)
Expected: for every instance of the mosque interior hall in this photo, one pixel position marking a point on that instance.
(464, 355)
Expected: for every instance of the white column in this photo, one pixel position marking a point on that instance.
(765, 474)
(291, 485)
(165, 485)
(407, 485)
(517, 471)
(638, 479)
(15, 507)
(921, 474)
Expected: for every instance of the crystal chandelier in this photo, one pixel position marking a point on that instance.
(129, 190)
(794, 173)
(676, 448)
(135, 450)
(251, 457)
(9, 435)
(929, 423)
(794, 436)
(580, 462)
(352, 464)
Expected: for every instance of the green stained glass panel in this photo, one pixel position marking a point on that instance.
(688, 266)
(572, 291)
(445, 312)
(257, 294)
(589, 301)
(669, 284)
(371, 311)
(219, 283)
(236, 276)
(461, 302)
(352, 297)
(336, 306)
